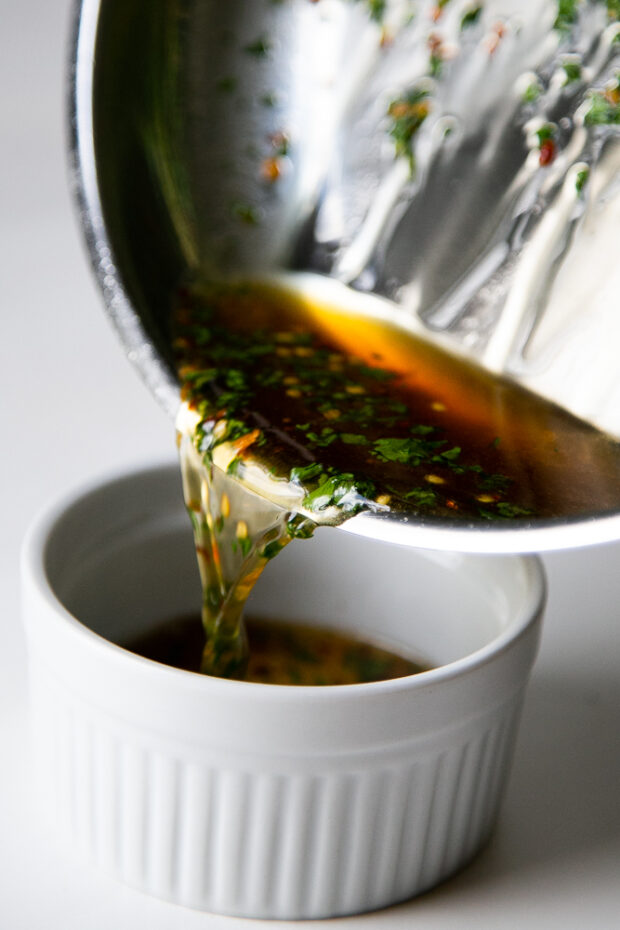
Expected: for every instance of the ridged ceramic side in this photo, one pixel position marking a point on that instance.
(257, 800)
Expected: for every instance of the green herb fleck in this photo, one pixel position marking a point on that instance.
(306, 472)
(567, 14)
(235, 467)
(408, 114)
(245, 544)
(435, 63)
(532, 92)
(269, 100)
(471, 16)
(604, 106)
(377, 374)
(271, 549)
(450, 455)
(299, 527)
(422, 497)
(376, 9)
(334, 491)
(246, 213)
(572, 70)
(324, 438)
(581, 179)
(260, 48)
(505, 509)
(494, 482)
(226, 85)
(546, 133)
(281, 144)
(407, 451)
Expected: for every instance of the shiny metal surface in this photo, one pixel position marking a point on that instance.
(255, 138)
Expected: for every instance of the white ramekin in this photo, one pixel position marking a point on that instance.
(259, 800)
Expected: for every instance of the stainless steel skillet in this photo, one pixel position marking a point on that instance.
(264, 137)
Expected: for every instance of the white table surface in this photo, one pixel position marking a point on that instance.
(72, 408)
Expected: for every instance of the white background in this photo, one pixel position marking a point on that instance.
(72, 408)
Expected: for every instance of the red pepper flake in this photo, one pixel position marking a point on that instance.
(270, 170)
(435, 43)
(271, 167)
(487, 498)
(245, 441)
(547, 152)
(496, 35)
(612, 94)
(401, 109)
(452, 504)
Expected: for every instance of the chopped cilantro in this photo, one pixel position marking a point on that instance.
(269, 377)
(377, 374)
(246, 213)
(572, 70)
(324, 438)
(201, 379)
(271, 549)
(408, 113)
(245, 544)
(235, 379)
(581, 179)
(305, 472)
(333, 491)
(260, 48)
(226, 85)
(532, 92)
(235, 467)
(471, 16)
(435, 64)
(546, 133)
(422, 497)
(567, 14)
(407, 451)
(505, 510)
(604, 107)
(494, 482)
(450, 455)
(376, 8)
